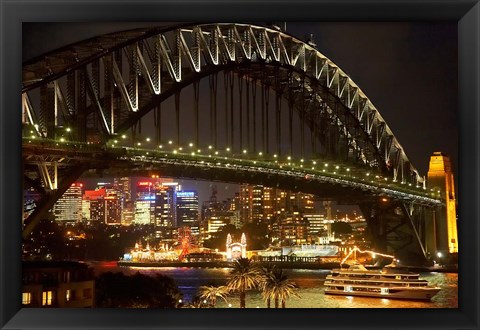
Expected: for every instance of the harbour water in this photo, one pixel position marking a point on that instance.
(310, 288)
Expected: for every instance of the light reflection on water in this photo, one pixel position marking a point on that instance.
(310, 283)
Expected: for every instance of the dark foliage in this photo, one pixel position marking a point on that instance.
(137, 291)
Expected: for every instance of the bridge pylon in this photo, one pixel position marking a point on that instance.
(442, 237)
(397, 228)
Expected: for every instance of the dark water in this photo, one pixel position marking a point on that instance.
(310, 283)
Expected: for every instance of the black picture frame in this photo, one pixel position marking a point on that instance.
(465, 12)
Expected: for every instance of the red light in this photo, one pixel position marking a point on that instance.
(144, 183)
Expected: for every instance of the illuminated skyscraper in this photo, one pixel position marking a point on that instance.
(93, 205)
(69, 206)
(187, 210)
(145, 203)
(165, 211)
(261, 204)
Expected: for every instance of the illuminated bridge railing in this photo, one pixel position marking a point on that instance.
(318, 171)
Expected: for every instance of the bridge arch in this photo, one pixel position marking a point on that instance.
(142, 68)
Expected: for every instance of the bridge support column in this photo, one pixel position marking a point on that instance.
(393, 229)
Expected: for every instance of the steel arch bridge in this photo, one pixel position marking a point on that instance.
(88, 105)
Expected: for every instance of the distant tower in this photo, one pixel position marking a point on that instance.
(328, 216)
(440, 178)
(229, 250)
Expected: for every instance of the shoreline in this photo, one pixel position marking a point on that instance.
(279, 264)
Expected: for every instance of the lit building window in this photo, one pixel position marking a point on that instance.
(47, 298)
(26, 298)
(67, 295)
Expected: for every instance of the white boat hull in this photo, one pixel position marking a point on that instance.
(402, 293)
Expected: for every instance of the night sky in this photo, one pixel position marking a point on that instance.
(408, 71)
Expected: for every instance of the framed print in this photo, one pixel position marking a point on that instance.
(205, 164)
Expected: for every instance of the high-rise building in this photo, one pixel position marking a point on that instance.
(165, 211)
(124, 186)
(316, 224)
(293, 229)
(187, 210)
(69, 206)
(261, 204)
(128, 213)
(93, 204)
(145, 203)
(113, 210)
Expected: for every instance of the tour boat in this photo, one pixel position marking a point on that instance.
(389, 282)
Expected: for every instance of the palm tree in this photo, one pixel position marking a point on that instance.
(244, 275)
(265, 281)
(277, 286)
(210, 292)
